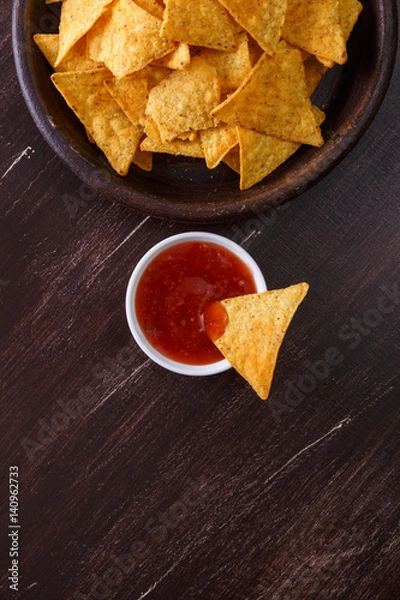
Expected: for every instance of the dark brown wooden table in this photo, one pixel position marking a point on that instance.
(137, 483)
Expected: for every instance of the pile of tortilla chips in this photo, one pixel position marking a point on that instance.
(227, 80)
(256, 325)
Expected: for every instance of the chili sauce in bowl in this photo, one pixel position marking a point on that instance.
(170, 290)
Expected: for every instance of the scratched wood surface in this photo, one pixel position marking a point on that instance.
(135, 482)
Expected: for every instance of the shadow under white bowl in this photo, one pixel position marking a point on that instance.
(130, 301)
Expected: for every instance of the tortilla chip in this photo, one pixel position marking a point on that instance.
(177, 59)
(274, 99)
(143, 159)
(257, 324)
(86, 94)
(326, 62)
(126, 39)
(48, 44)
(255, 51)
(232, 159)
(217, 142)
(188, 135)
(155, 74)
(154, 143)
(130, 93)
(183, 101)
(315, 27)
(314, 71)
(76, 19)
(261, 154)
(349, 11)
(263, 19)
(232, 67)
(152, 7)
(75, 59)
(202, 23)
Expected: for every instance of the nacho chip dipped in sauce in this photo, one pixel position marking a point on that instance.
(175, 290)
(249, 331)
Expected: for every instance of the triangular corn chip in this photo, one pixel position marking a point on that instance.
(127, 38)
(263, 19)
(217, 142)
(176, 147)
(202, 23)
(315, 27)
(74, 60)
(143, 159)
(177, 60)
(314, 71)
(232, 159)
(255, 329)
(274, 100)
(86, 94)
(232, 67)
(183, 101)
(349, 11)
(130, 93)
(152, 7)
(76, 19)
(261, 154)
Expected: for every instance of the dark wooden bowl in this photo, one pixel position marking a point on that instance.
(183, 189)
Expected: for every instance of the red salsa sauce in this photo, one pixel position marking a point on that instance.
(176, 289)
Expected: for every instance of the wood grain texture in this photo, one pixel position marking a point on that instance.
(137, 483)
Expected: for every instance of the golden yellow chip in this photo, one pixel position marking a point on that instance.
(143, 159)
(188, 135)
(86, 94)
(326, 62)
(263, 19)
(232, 67)
(183, 101)
(315, 27)
(256, 327)
(177, 147)
(314, 71)
(178, 59)
(152, 7)
(76, 19)
(202, 23)
(152, 131)
(217, 142)
(155, 74)
(226, 80)
(126, 39)
(48, 44)
(274, 100)
(255, 51)
(349, 11)
(232, 159)
(261, 154)
(130, 93)
(75, 59)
